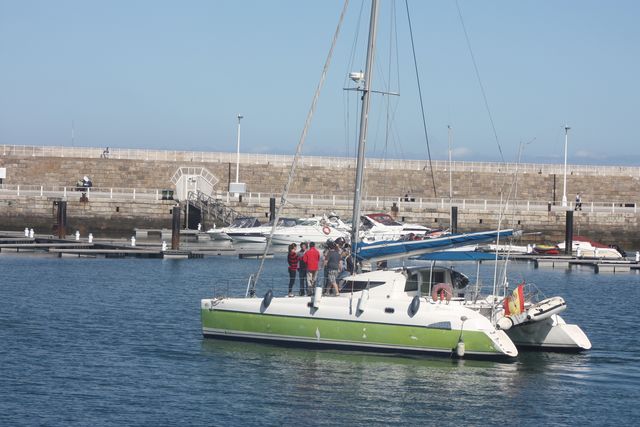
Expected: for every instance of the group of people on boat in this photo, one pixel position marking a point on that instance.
(336, 260)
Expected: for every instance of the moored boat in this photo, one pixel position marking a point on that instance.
(583, 247)
(380, 311)
(239, 223)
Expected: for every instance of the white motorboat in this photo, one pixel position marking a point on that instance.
(316, 229)
(239, 223)
(382, 226)
(585, 248)
(257, 234)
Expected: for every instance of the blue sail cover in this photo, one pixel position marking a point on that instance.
(389, 249)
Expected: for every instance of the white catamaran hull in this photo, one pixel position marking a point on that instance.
(552, 333)
(382, 326)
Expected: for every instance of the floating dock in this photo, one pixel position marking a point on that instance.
(599, 265)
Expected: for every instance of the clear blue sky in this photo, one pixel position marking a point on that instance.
(174, 75)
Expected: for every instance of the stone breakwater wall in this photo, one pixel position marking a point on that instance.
(102, 218)
(270, 179)
(121, 216)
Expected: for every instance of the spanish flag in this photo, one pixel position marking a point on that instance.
(514, 304)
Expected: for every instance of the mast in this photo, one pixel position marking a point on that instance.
(364, 122)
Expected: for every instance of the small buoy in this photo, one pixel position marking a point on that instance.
(77, 235)
(90, 238)
(414, 306)
(31, 233)
(267, 298)
(317, 296)
(26, 232)
(199, 226)
(164, 246)
(460, 348)
(133, 241)
(362, 301)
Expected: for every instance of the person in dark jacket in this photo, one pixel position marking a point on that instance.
(302, 269)
(333, 265)
(292, 259)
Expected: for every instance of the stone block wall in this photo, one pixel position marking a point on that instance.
(103, 218)
(270, 179)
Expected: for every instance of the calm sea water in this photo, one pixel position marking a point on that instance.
(118, 342)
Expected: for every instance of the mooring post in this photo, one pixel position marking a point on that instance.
(568, 234)
(272, 208)
(175, 229)
(61, 219)
(454, 219)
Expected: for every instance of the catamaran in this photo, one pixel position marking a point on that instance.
(397, 310)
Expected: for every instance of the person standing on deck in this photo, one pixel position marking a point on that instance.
(333, 263)
(302, 269)
(312, 259)
(292, 259)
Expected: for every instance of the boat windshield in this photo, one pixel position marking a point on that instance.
(385, 219)
(309, 222)
(245, 222)
(287, 222)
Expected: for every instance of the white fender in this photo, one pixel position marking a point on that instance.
(505, 323)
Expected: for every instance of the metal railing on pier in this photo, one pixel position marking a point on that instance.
(218, 203)
(212, 208)
(90, 192)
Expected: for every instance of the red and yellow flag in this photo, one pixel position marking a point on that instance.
(514, 304)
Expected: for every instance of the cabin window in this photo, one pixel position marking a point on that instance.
(389, 310)
(358, 285)
(412, 283)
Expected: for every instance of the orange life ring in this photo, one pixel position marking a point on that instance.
(442, 291)
(326, 230)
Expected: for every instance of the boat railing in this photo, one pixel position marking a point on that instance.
(279, 284)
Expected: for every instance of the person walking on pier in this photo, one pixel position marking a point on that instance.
(292, 259)
(302, 269)
(578, 202)
(312, 259)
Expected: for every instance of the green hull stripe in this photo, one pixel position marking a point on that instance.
(222, 322)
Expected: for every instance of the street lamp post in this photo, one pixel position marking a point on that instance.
(240, 117)
(564, 190)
